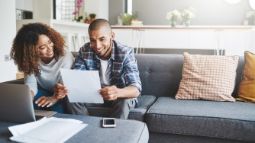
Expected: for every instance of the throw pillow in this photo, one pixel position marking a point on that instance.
(208, 77)
(247, 86)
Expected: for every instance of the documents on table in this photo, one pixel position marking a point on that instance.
(82, 86)
(46, 130)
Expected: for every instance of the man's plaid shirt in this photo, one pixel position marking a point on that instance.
(124, 70)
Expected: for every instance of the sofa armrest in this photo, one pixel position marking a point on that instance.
(144, 103)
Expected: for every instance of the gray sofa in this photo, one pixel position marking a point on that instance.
(186, 121)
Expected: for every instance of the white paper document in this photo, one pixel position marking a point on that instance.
(82, 86)
(46, 130)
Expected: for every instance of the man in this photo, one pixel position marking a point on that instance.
(117, 67)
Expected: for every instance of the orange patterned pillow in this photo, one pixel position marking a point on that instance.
(247, 86)
(208, 77)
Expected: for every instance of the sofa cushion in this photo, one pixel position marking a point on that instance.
(160, 73)
(247, 85)
(227, 120)
(208, 77)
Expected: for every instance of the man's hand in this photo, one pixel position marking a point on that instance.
(45, 101)
(113, 92)
(60, 91)
(110, 92)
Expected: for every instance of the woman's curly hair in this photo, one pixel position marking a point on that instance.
(24, 51)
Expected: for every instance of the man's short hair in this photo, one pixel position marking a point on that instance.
(96, 24)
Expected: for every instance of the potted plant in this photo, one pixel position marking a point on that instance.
(173, 17)
(77, 11)
(187, 15)
(126, 19)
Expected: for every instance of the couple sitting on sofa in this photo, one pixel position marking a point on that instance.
(39, 52)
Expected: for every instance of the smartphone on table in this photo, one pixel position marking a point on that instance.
(108, 122)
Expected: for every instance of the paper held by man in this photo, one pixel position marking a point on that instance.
(82, 86)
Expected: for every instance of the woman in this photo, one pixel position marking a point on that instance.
(39, 52)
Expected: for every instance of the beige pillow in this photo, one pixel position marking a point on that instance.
(208, 77)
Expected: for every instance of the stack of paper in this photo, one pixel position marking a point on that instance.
(46, 130)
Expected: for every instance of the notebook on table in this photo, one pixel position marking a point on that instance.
(16, 104)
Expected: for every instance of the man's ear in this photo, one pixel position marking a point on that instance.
(113, 35)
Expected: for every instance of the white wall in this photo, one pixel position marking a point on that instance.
(8, 31)
(24, 5)
(208, 12)
(43, 9)
(116, 7)
(99, 7)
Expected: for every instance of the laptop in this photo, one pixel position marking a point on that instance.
(16, 104)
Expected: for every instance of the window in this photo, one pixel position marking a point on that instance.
(128, 6)
(63, 9)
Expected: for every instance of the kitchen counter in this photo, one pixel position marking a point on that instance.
(232, 39)
(219, 27)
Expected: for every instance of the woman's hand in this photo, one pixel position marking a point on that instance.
(45, 101)
(60, 91)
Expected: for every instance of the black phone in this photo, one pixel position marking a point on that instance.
(108, 123)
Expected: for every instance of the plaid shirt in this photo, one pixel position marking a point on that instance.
(123, 65)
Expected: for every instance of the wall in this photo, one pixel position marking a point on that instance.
(43, 9)
(116, 7)
(99, 7)
(24, 5)
(208, 12)
(8, 31)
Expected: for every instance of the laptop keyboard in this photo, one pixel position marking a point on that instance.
(43, 113)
